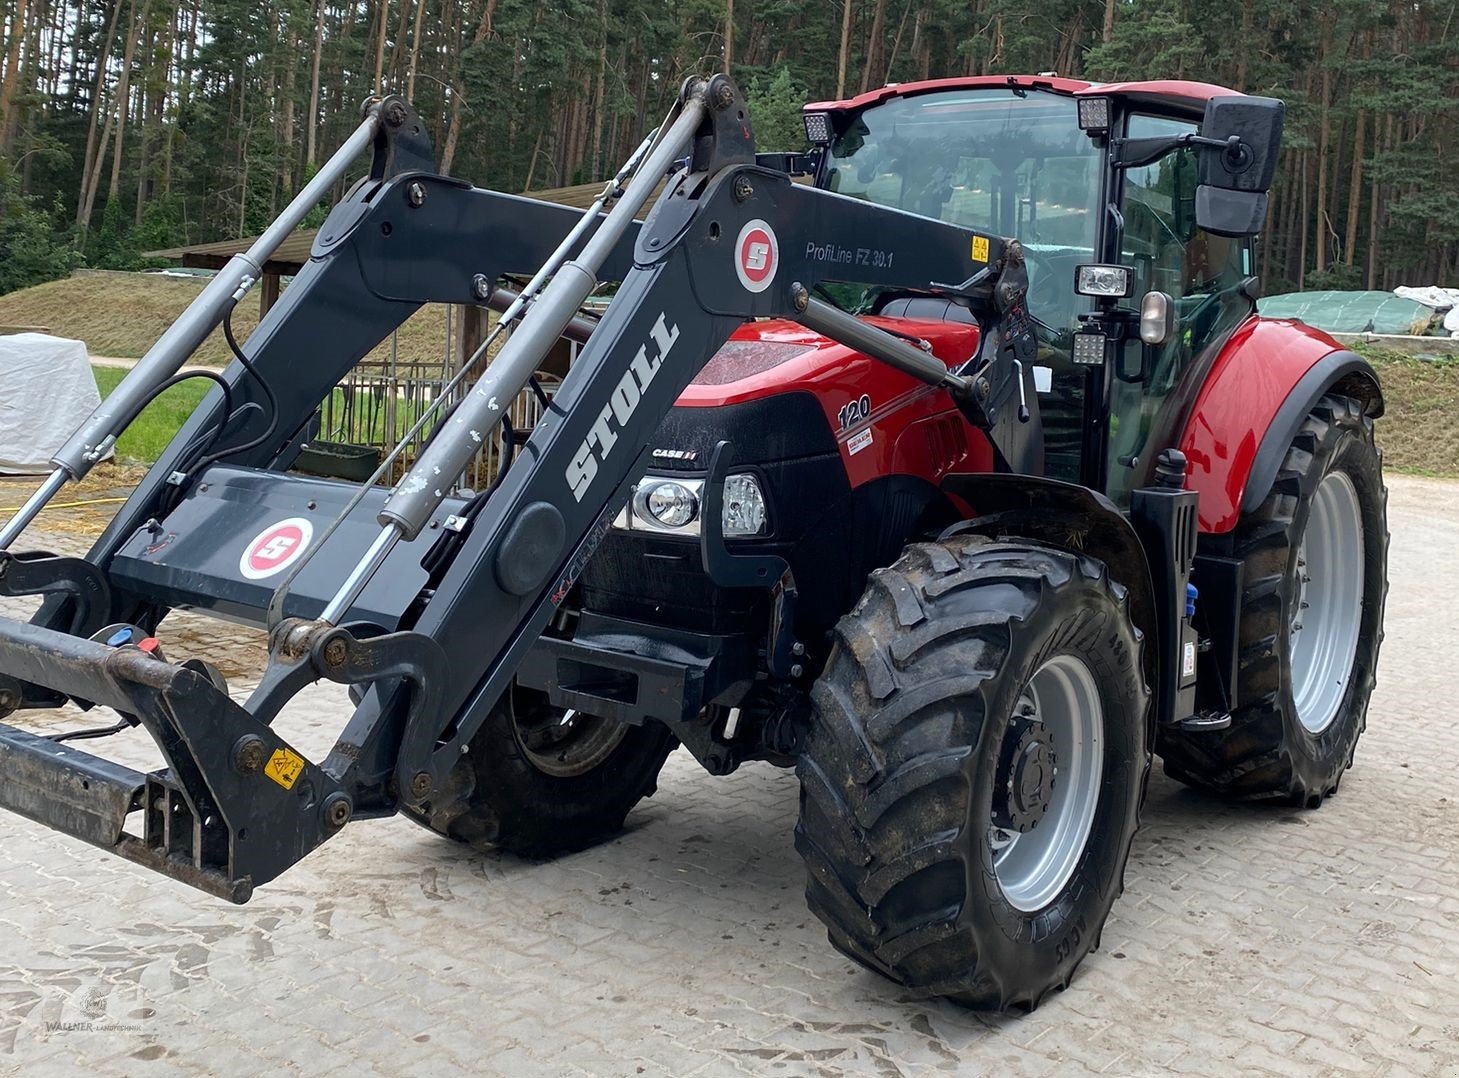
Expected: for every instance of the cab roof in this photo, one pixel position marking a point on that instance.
(1173, 93)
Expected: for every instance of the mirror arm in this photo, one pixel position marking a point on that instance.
(1136, 152)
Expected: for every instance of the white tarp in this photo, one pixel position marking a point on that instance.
(1444, 301)
(46, 390)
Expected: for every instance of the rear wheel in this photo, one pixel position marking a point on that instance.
(1316, 553)
(972, 780)
(539, 780)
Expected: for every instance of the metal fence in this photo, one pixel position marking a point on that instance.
(383, 396)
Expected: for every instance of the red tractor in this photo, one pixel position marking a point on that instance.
(962, 479)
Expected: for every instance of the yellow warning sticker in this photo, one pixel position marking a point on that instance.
(285, 767)
(980, 248)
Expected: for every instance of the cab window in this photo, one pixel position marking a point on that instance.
(1201, 272)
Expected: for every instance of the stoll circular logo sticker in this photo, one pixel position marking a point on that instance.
(757, 256)
(275, 548)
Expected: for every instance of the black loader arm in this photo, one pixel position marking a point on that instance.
(727, 241)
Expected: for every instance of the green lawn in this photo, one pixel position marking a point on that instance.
(145, 439)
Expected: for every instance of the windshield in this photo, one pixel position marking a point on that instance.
(1011, 164)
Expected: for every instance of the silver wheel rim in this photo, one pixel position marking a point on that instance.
(1329, 612)
(1062, 701)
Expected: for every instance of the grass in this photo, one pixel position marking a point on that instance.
(1419, 431)
(145, 439)
(123, 314)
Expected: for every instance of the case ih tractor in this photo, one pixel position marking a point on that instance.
(962, 479)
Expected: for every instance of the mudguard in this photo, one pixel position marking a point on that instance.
(1265, 380)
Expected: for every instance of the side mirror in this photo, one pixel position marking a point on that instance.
(1240, 139)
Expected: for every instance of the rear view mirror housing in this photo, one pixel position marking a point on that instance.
(1240, 139)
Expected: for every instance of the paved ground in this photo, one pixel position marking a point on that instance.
(1249, 940)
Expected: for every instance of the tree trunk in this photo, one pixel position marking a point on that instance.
(453, 131)
(381, 25)
(1306, 221)
(874, 49)
(896, 44)
(135, 23)
(286, 113)
(845, 54)
(1322, 145)
(1109, 20)
(312, 138)
(729, 33)
(399, 42)
(8, 109)
(1355, 190)
(420, 11)
(90, 167)
(595, 164)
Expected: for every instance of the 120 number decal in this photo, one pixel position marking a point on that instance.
(855, 412)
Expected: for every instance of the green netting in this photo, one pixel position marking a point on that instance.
(1351, 312)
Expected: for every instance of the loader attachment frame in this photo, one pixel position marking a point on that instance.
(236, 804)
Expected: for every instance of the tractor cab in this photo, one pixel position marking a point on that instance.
(1138, 244)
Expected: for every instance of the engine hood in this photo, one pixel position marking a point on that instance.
(780, 356)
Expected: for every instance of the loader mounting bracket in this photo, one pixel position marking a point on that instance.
(402, 144)
(40, 573)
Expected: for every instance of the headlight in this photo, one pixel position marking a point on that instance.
(664, 503)
(744, 506)
(672, 507)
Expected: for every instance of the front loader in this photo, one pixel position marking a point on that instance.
(879, 476)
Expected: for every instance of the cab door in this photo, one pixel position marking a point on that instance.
(1203, 275)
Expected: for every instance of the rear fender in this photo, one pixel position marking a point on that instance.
(1068, 516)
(1261, 386)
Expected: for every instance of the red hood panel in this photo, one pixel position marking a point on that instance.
(780, 356)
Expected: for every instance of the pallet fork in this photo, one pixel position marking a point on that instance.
(444, 597)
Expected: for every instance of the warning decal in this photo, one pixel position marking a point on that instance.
(285, 767)
(980, 248)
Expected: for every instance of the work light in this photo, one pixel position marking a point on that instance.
(1104, 281)
(818, 128)
(1089, 349)
(1094, 114)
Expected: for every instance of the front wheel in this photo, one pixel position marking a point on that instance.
(539, 780)
(973, 776)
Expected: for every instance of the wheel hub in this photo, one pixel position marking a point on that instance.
(1026, 775)
(1045, 791)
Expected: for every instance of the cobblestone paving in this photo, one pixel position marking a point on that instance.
(1249, 940)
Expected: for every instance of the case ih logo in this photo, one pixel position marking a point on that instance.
(275, 548)
(757, 256)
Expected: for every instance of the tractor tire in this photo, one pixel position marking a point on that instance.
(535, 786)
(979, 692)
(1316, 556)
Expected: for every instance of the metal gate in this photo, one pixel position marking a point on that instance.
(383, 397)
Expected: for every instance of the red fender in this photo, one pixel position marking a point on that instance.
(1252, 377)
